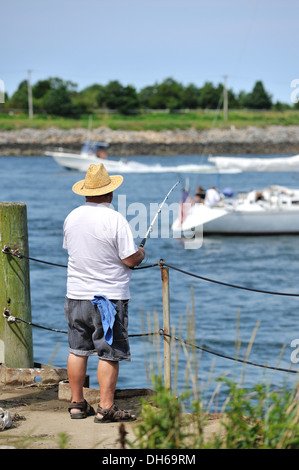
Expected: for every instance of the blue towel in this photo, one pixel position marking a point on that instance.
(108, 311)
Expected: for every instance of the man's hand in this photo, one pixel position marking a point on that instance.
(135, 259)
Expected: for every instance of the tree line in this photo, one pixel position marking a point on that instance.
(55, 96)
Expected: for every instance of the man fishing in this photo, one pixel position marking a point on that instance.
(101, 254)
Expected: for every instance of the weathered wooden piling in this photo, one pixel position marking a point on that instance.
(16, 346)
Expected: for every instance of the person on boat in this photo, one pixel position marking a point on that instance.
(101, 154)
(101, 255)
(212, 197)
(259, 197)
(200, 195)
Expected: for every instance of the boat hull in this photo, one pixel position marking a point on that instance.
(81, 162)
(255, 223)
(238, 222)
(72, 161)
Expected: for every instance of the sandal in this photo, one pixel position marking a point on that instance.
(86, 409)
(113, 414)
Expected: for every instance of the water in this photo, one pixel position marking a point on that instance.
(269, 263)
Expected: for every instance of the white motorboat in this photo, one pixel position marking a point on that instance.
(273, 210)
(255, 164)
(91, 153)
(95, 153)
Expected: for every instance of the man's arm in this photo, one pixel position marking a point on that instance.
(135, 259)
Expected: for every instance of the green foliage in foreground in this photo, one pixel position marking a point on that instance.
(259, 418)
(162, 425)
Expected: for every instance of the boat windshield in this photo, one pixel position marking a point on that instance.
(93, 148)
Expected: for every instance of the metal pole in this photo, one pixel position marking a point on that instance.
(166, 324)
(225, 99)
(30, 105)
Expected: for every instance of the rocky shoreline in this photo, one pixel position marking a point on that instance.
(251, 140)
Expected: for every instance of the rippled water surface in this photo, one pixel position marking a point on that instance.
(222, 314)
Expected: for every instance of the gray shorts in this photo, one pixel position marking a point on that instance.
(85, 330)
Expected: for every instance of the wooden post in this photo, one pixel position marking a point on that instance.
(16, 347)
(166, 325)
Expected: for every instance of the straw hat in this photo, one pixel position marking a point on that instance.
(97, 182)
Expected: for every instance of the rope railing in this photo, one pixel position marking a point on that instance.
(12, 319)
(229, 285)
(8, 251)
(243, 361)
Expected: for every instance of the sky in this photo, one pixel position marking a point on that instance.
(141, 42)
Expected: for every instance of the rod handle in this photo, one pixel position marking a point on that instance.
(142, 243)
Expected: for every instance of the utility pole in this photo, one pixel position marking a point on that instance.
(30, 105)
(225, 99)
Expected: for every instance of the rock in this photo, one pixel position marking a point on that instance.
(251, 140)
(5, 419)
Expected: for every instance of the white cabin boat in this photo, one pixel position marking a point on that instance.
(273, 210)
(91, 153)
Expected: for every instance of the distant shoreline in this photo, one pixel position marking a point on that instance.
(251, 140)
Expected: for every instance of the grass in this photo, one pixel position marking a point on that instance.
(257, 417)
(157, 121)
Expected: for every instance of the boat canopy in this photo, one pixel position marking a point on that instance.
(93, 147)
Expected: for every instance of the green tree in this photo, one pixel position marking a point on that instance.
(40, 88)
(210, 96)
(123, 99)
(147, 96)
(58, 99)
(19, 98)
(86, 100)
(190, 97)
(233, 100)
(130, 101)
(168, 95)
(113, 94)
(258, 98)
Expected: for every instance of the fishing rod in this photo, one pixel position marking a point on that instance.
(156, 215)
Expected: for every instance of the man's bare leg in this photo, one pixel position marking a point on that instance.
(76, 367)
(107, 377)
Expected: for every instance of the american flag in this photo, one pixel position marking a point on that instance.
(185, 205)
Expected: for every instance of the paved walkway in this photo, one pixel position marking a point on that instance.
(41, 421)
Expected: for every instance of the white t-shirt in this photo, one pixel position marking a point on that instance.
(97, 239)
(212, 197)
